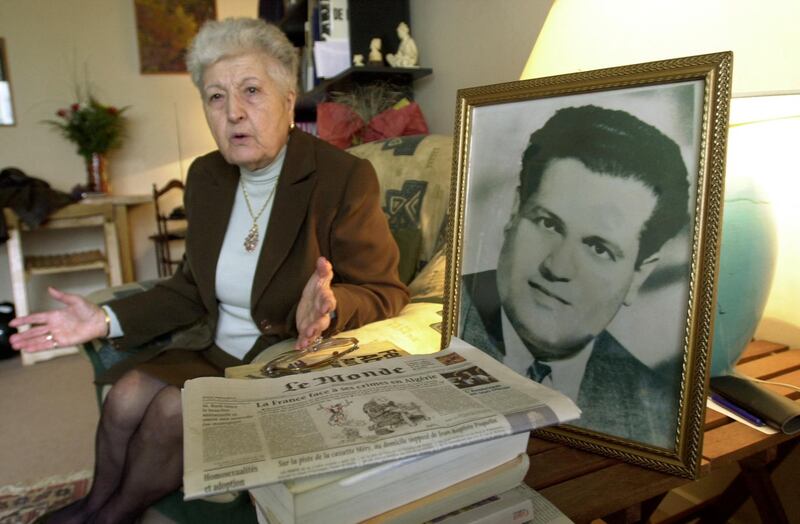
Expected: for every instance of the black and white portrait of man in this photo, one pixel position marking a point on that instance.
(596, 226)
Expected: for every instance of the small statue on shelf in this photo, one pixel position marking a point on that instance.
(407, 54)
(358, 60)
(375, 55)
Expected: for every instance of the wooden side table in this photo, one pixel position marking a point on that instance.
(121, 204)
(110, 214)
(586, 486)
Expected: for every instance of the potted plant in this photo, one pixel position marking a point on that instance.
(95, 129)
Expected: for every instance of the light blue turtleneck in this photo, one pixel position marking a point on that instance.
(236, 267)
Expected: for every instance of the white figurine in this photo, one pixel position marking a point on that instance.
(407, 54)
(375, 55)
(358, 60)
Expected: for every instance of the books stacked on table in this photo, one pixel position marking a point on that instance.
(409, 491)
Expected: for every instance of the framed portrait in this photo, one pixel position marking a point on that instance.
(164, 29)
(583, 246)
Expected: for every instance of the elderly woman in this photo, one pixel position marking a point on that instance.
(285, 238)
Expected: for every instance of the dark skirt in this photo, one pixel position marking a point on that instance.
(176, 366)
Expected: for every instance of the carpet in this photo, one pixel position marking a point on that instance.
(23, 504)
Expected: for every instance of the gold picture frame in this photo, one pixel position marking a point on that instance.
(585, 218)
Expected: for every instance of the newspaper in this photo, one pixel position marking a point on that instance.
(240, 434)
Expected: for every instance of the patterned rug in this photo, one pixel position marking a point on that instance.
(23, 504)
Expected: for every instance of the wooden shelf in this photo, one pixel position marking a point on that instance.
(65, 263)
(54, 270)
(371, 73)
(354, 76)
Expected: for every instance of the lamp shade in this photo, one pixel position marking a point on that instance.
(581, 35)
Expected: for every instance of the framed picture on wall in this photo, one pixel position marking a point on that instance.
(583, 251)
(164, 29)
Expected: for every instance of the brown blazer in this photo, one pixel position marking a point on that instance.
(327, 204)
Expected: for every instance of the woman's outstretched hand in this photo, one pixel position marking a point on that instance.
(316, 304)
(77, 323)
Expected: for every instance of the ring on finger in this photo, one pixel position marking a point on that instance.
(49, 337)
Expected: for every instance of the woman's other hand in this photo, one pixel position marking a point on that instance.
(77, 323)
(316, 305)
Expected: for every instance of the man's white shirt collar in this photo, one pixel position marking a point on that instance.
(566, 375)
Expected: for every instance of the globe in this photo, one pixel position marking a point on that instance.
(746, 267)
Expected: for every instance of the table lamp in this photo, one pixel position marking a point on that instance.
(582, 36)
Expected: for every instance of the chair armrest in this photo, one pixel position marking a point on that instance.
(100, 352)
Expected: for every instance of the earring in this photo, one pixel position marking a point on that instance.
(291, 125)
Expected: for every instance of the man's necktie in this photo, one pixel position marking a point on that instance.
(539, 371)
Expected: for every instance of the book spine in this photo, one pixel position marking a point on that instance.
(333, 19)
(514, 506)
(261, 515)
(271, 508)
(517, 513)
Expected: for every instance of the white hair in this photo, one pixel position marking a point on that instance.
(234, 36)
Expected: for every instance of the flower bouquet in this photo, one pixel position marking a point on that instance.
(96, 129)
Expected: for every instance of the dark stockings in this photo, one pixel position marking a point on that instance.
(139, 452)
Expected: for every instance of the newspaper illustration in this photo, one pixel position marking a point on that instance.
(240, 434)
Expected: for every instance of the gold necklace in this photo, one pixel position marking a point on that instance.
(251, 240)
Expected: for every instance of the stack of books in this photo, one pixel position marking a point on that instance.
(412, 490)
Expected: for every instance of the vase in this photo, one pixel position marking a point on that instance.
(96, 174)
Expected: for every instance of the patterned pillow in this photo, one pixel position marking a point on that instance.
(414, 174)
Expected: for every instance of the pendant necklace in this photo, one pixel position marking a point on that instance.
(251, 240)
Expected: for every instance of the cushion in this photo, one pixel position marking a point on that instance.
(414, 175)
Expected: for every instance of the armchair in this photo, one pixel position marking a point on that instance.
(414, 176)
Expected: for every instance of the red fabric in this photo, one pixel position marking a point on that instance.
(396, 122)
(342, 127)
(338, 124)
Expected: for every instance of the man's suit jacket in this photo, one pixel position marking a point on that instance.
(326, 204)
(618, 395)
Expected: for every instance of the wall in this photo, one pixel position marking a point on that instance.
(50, 45)
(470, 43)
